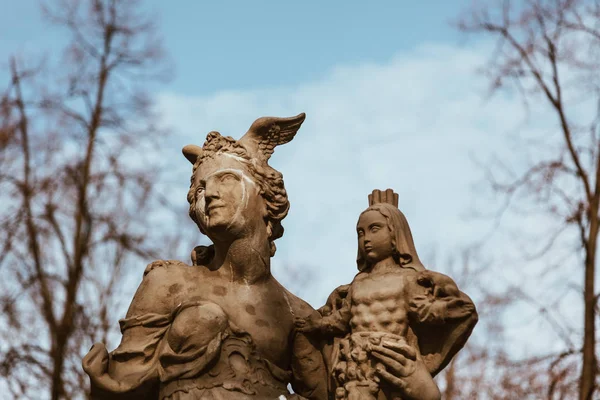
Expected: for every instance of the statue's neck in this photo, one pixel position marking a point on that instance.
(383, 266)
(244, 260)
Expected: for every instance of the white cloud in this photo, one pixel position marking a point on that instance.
(408, 124)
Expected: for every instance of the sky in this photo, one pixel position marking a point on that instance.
(393, 100)
(263, 44)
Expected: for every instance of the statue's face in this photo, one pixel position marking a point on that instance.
(374, 237)
(227, 200)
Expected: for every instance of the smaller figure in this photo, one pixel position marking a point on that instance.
(397, 324)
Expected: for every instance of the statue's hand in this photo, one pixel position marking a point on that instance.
(396, 359)
(307, 325)
(399, 369)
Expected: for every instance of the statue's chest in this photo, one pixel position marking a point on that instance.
(386, 287)
(262, 313)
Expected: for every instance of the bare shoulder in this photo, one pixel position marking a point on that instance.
(360, 276)
(158, 292)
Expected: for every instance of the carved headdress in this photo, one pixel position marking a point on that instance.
(259, 142)
(254, 149)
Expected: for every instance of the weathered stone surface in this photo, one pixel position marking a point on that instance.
(224, 328)
(397, 324)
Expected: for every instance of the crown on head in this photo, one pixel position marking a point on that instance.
(387, 196)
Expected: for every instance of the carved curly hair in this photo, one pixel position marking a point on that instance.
(268, 179)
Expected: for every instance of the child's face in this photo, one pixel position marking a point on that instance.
(374, 237)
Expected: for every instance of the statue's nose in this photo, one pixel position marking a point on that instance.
(211, 191)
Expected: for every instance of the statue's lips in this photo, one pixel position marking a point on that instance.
(213, 207)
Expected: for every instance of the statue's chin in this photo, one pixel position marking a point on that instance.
(221, 229)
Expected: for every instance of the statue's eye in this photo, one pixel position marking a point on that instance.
(360, 232)
(374, 228)
(200, 188)
(228, 177)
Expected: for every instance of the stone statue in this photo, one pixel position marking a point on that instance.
(397, 324)
(222, 328)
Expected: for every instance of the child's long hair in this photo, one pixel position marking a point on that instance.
(405, 253)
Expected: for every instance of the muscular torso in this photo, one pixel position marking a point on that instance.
(378, 302)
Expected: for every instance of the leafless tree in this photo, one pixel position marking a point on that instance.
(78, 175)
(485, 368)
(549, 51)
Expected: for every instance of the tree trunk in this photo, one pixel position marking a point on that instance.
(588, 372)
(57, 372)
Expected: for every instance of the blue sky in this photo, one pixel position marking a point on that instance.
(392, 100)
(250, 44)
(218, 45)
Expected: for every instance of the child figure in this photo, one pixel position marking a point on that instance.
(397, 324)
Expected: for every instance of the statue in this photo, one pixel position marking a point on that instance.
(397, 324)
(222, 328)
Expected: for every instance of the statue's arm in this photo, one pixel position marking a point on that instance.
(130, 371)
(309, 375)
(338, 321)
(436, 299)
(332, 319)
